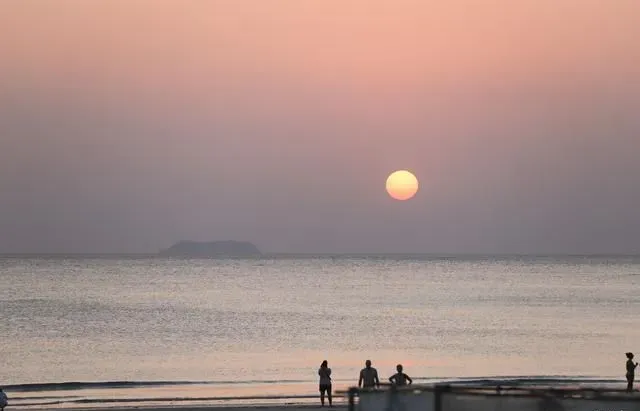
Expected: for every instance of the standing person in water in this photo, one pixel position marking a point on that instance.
(368, 376)
(400, 378)
(631, 370)
(325, 382)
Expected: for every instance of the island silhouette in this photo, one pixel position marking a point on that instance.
(211, 249)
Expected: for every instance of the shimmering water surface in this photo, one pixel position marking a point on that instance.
(249, 326)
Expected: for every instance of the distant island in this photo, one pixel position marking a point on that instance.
(211, 249)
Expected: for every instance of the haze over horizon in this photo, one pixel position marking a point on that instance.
(126, 126)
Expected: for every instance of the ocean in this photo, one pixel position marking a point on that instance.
(84, 330)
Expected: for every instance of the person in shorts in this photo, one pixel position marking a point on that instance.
(325, 382)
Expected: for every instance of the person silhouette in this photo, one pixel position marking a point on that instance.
(4, 401)
(368, 376)
(631, 370)
(325, 382)
(400, 378)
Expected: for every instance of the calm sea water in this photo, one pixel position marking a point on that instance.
(262, 326)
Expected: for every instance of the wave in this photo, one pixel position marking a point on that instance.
(489, 380)
(83, 385)
(526, 379)
(76, 400)
(44, 397)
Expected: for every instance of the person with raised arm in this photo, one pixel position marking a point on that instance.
(325, 382)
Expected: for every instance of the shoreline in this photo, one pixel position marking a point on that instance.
(520, 393)
(200, 407)
(166, 397)
(339, 402)
(218, 407)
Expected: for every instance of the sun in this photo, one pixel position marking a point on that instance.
(402, 185)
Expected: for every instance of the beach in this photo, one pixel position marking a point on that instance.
(165, 398)
(81, 332)
(198, 404)
(424, 398)
(281, 407)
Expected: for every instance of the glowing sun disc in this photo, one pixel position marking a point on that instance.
(402, 185)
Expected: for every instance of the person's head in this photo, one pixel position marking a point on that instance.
(367, 364)
(399, 367)
(629, 355)
(324, 363)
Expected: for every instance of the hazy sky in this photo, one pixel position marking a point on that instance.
(127, 125)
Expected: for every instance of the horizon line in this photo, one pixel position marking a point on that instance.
(313, 254)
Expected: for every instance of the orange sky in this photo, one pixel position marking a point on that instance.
(354, 42)
(290, 94)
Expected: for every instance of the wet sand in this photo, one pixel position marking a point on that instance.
(342, 406)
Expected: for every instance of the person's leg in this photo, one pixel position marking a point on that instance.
(329, 395)
(629, 383)
(322, 395)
